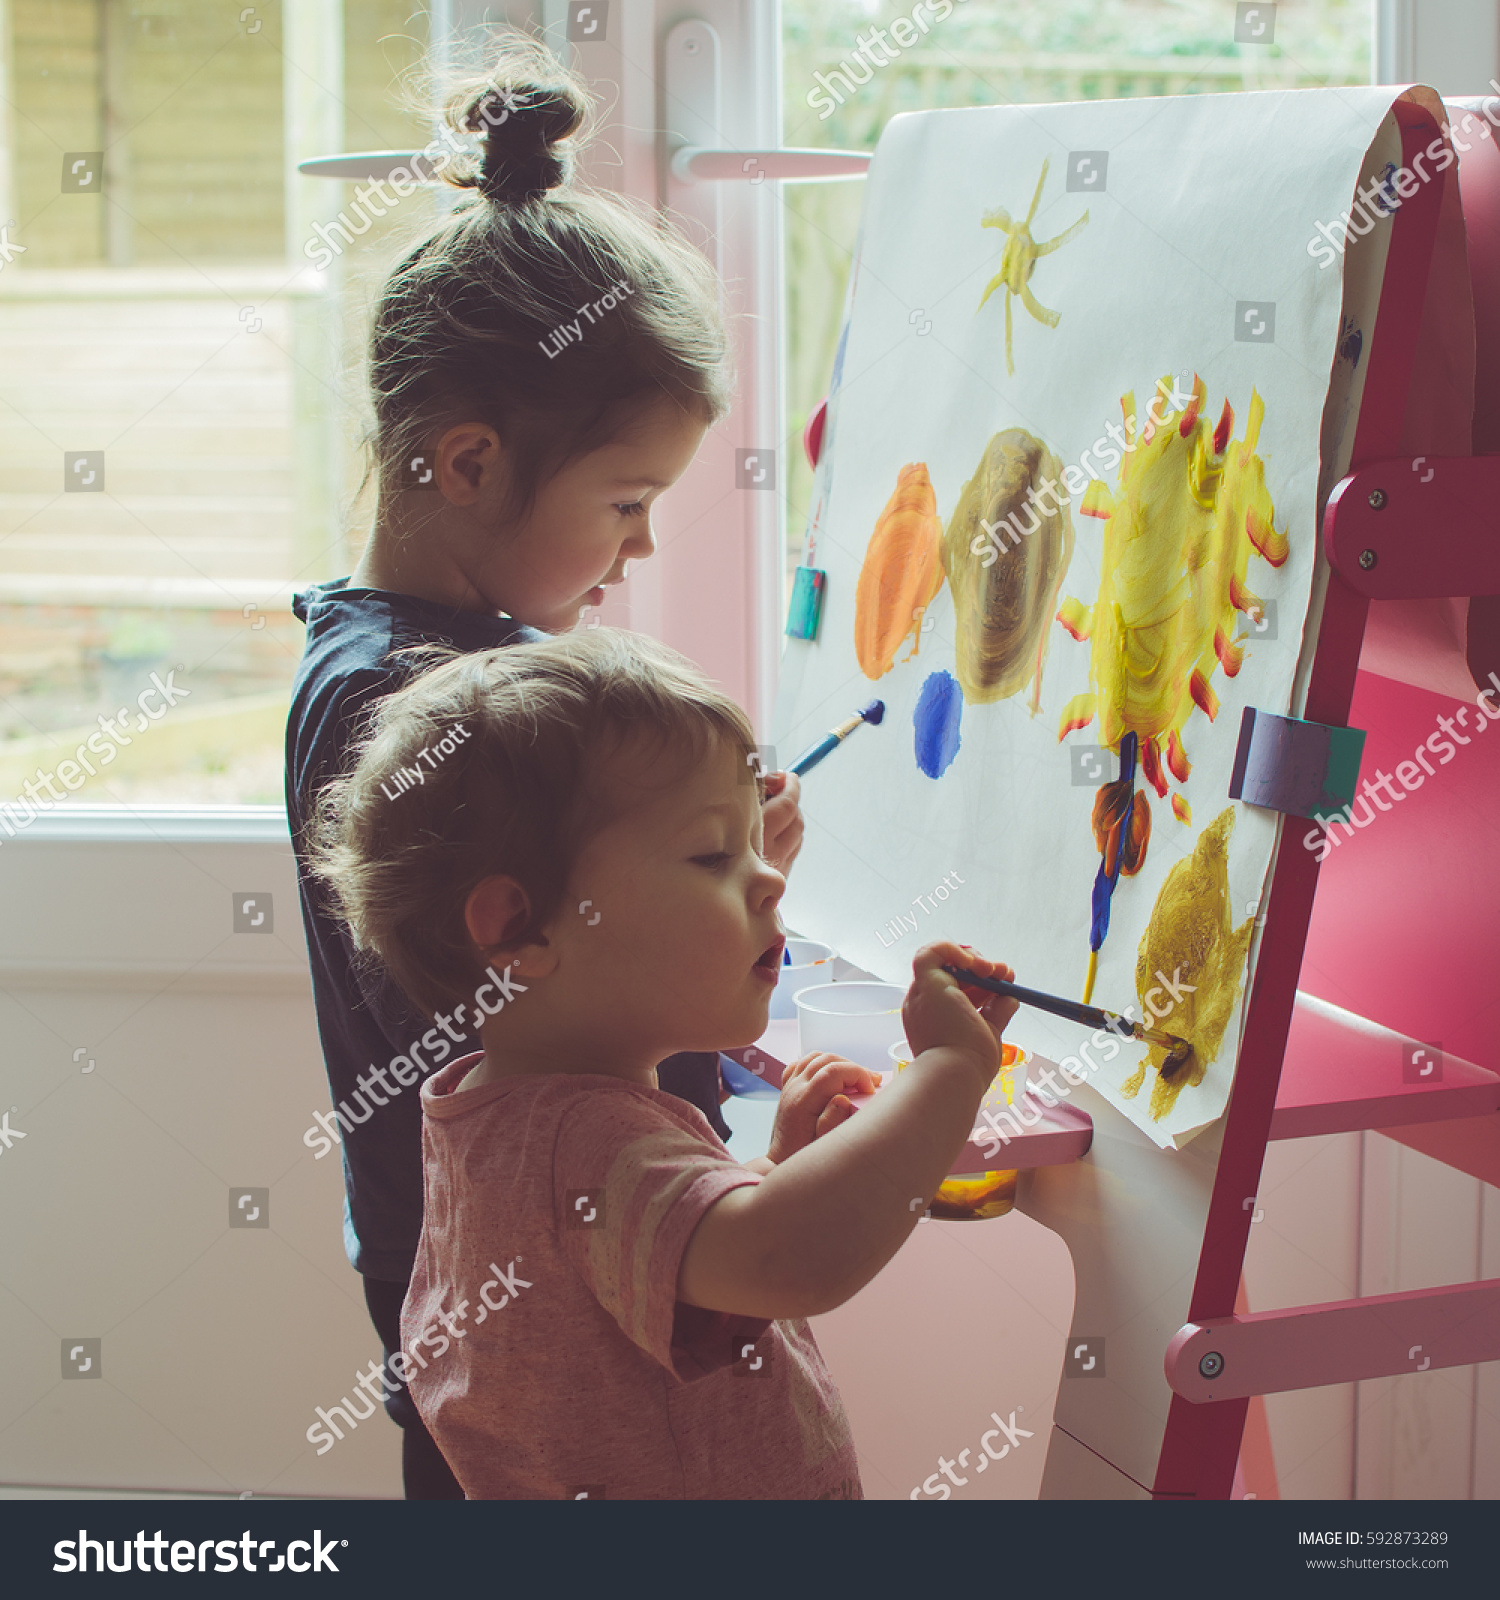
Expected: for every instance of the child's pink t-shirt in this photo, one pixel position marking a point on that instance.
(556, 1212)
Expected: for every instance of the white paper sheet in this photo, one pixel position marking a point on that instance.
(1198, 207)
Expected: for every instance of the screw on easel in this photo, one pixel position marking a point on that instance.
(1377, 499)
(1211, 1365)
(1367, 559)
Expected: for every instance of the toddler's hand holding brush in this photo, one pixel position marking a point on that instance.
(943, 1012)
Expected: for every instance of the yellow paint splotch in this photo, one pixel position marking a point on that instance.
(1192, 940)
(1190, 510)
(1018, 261)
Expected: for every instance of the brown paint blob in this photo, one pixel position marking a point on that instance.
(1003, 611)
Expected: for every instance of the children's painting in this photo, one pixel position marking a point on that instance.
(1068, 511)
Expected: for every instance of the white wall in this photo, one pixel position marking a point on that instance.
(217, 1342)
(1357, 1214)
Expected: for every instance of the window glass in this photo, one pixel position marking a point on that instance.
(181, 394)
(842, 82)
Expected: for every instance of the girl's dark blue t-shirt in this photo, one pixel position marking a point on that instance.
(364, 1020)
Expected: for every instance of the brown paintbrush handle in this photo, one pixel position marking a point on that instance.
(1055, 1004)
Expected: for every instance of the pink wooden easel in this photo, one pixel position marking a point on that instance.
(1305, 1067)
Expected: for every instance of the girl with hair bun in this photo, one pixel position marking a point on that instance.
(543, 366)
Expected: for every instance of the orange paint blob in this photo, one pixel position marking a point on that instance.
(1122, 826)
(902, 572)
(1177, 762)
(1203, 695)
(1151, 767)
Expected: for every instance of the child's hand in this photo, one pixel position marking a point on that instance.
(781, 820)
(813, 1100)
(940, 1011)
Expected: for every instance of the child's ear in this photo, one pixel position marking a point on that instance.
(466, 455)
(495, 908)
(495, 914)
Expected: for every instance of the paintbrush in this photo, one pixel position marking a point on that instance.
(1179, 1051)
(872, 713)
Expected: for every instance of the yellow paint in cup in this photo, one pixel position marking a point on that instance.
(977, 1196)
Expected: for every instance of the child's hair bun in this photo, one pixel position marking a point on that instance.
(524, 115)
(468, 318)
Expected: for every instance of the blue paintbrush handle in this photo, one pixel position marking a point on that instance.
(805, 763)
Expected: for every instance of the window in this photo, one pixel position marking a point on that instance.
(182, 401)
(178, 439)
(841, 83)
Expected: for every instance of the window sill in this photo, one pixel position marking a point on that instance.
(83, 824)
(231, 281)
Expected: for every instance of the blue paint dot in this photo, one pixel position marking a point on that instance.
(939, 708)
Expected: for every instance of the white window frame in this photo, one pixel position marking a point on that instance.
(713, 590)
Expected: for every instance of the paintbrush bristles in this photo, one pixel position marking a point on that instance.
(1138, 1030)
(874, 714)
(1168, 1041)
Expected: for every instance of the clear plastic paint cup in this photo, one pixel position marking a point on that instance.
(811, 963)
(859, 1021)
